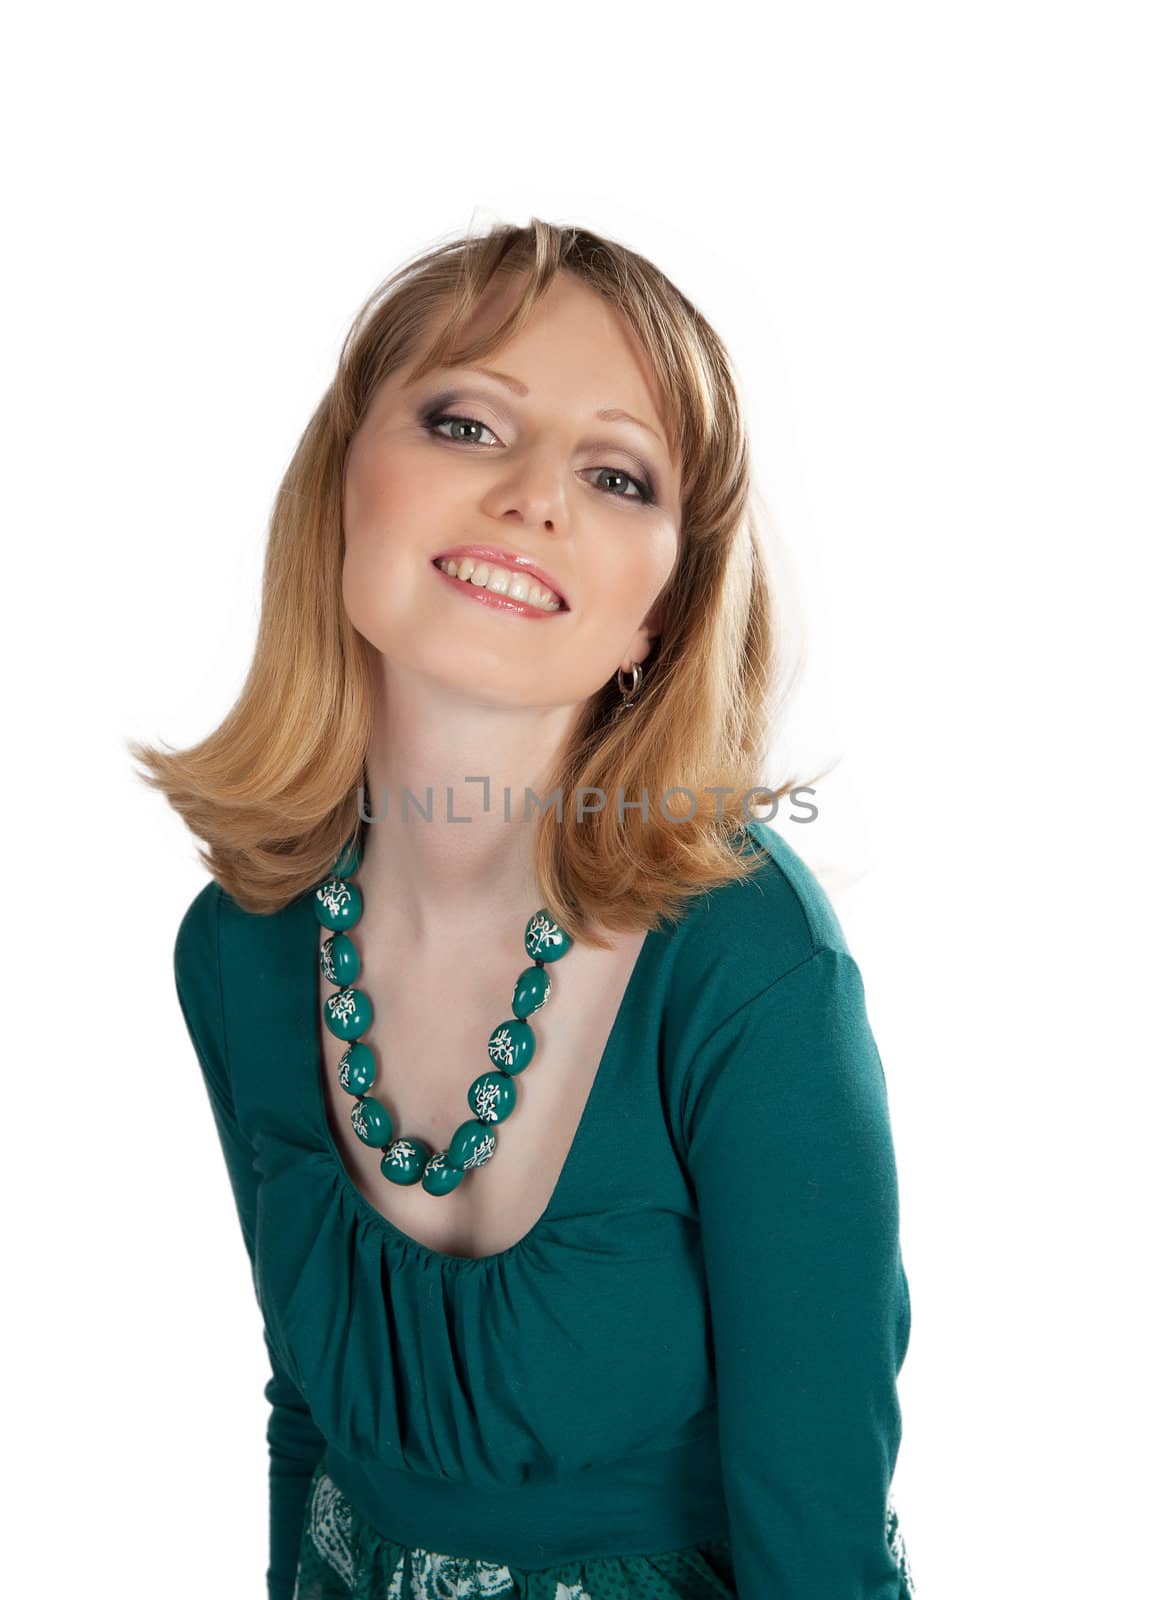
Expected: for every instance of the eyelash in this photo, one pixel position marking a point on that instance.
(433, 420)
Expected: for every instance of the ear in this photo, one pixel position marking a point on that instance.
(642, 644)
(651, 627)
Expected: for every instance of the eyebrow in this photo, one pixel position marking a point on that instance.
(607, 414)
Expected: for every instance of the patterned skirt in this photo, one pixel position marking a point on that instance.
(343, 1558)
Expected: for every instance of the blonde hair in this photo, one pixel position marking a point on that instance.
(272, 790)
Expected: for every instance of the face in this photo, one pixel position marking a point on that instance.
(462, 459)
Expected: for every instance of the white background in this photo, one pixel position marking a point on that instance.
(933, 239)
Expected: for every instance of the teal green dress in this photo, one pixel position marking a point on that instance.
(682, 1381)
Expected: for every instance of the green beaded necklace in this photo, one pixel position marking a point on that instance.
(349, 1012)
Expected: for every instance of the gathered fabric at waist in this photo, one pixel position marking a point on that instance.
(644, 1504)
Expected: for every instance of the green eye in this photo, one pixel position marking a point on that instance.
(434, 421)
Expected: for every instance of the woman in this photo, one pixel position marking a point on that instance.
(613, 1306)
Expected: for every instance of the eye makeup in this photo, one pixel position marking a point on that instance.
(441, 407)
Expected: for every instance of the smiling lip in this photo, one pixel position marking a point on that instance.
(505, 558)
(500, 602)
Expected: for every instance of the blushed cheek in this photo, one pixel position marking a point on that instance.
(365, 541)
(368, 599)
(360, 495)
(385, 496)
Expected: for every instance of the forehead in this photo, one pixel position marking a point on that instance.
(574, 345)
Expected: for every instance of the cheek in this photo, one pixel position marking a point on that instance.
(367, 489)
(363, 595)
(635, 573)
(368, 521)
(395, 495)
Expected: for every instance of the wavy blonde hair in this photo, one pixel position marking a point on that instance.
(272, 791)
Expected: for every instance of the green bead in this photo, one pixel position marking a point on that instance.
(339, 960)
(338, 905)
(348, 861)
(356, 1069)
(438, 1177)
(532, 988)
(405, 1160)
(348, 1013)
(492, 1097)
(473, 1144)
(372, 1123)
(511, 1046)
(544, 939)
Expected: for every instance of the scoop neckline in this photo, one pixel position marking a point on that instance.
(318, 1065)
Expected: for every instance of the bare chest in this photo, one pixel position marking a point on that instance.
(429, 1039)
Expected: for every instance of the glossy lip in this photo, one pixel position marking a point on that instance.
(502, 602)
(506, 558)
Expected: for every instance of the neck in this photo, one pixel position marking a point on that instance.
(440, 847)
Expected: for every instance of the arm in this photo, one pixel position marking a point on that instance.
(295, 1444)
(791, 1157)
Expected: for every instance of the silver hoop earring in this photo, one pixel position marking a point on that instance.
(629, 694)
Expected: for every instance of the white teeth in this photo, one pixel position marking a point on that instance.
(501, 580)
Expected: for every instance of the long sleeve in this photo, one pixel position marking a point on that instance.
(295, 1444)
(790, 1153)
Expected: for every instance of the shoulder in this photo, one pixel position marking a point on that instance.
(217, 936)
(740, 941)
(792, 899)
(737, 940)
(778, 1026)
(197, 971)
(196, 944)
